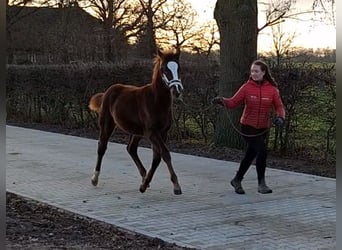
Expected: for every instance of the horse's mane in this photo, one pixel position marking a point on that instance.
(167, 56)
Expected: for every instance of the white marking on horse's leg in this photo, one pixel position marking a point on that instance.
(95, 177)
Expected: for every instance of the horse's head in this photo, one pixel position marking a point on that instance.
(169, 70)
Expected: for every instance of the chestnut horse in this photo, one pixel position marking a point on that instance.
(141, 112)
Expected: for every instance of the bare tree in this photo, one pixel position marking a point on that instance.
(147, 39)
(277, 11)
(180, 26)
(165, 23)
(120, 18)
(327, 8)
(206, 39)
(282, 41)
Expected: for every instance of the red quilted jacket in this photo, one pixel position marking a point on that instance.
(258, 99)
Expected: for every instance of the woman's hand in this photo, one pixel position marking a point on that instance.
(279, 122)
(217, 100)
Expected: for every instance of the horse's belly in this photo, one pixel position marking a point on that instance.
(129, 127)
(131, 121)
(132, 130)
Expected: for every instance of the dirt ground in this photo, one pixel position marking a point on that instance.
(33, 225)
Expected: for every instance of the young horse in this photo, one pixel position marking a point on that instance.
(141, 112)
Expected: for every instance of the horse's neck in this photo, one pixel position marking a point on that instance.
(160, 90)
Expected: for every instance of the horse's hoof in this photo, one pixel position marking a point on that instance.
(177, 191)
(142, 189)
(94, 182)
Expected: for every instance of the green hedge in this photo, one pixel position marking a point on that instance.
(59, 94)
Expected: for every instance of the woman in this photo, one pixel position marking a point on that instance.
(259, 94)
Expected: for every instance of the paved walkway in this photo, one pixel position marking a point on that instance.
(55, 168)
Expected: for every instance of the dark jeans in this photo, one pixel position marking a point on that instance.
(256, 148)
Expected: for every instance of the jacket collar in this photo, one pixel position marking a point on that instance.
(258, 84)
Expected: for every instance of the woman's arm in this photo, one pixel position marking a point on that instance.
(235, 100)
(278, 105)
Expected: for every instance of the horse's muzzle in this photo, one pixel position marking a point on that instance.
(176, 87)
(175, 93)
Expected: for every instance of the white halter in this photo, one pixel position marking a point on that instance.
(173, 66)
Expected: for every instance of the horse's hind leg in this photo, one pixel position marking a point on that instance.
(106, 129)
(155, 163)
(132, 149)
(159, 143)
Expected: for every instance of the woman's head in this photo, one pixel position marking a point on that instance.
(259, 71)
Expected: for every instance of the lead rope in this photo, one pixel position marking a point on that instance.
(229, 119)
(194, 108)
(243, 134)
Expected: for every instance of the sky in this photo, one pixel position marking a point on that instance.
(308, 34)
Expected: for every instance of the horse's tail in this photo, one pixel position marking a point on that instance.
(95, 102)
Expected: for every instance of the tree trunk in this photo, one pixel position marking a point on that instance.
(108, 26)
(150, 33)
(237, 23)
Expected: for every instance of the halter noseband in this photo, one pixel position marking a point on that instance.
(175, 82)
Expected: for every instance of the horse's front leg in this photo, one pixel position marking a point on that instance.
(159, 144)
(155, 163)
(132, 149)
(106, 129)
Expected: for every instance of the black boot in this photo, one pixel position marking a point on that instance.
(263, 188)
(236, 183)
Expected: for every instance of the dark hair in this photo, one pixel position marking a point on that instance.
(264, 67)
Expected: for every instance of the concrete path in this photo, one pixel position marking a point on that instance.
(56, 169)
